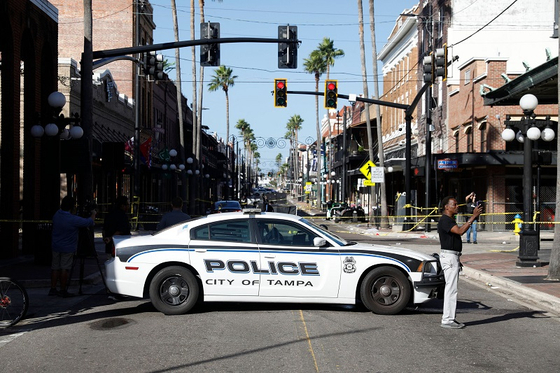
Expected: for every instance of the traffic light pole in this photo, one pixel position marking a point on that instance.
(408, 155)
(409, 109)
(184, 43)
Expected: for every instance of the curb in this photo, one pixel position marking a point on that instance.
(534, 299)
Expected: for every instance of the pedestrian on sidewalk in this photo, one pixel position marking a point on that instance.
(175, 216)
(471, 203)
(451, 250)
(116, 223)
(66, 226)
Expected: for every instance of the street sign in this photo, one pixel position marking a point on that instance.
(366, 169)
(378, 174)
(447, 163)
(368, 183)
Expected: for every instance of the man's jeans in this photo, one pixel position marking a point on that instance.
(473, 229)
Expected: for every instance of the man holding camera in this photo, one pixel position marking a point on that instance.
(471, 203)
(451, 249)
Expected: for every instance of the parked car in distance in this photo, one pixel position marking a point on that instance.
(226, 206)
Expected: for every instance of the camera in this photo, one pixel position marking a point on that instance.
(479, 203)
(86, 210)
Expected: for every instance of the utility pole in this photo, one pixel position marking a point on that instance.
(137, 106)
(428, 158)
(85, 176)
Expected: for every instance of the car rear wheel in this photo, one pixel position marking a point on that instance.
(174, 290)
(385, 291)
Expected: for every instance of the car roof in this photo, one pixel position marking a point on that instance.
(241, 215)
(226, 203)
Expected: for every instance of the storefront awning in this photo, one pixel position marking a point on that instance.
(542, 81)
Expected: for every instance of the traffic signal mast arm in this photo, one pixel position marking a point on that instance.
(362, 99)
(184, 43)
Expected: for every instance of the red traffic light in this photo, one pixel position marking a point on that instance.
(331, 94)
(280, 93)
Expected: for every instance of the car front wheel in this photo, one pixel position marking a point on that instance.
(385, 291)
(174, 290)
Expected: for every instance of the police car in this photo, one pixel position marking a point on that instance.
(255, 256)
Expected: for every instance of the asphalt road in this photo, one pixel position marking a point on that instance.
(100, 334)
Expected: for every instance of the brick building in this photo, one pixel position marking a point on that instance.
(461, 128)
(28, 58)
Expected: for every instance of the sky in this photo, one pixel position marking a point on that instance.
(256, 64)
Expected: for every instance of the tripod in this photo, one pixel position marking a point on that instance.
(86, 250)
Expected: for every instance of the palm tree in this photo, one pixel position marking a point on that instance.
(279, 161)
(383, 194)
(244, 128)
(316, 65)
(223, 79)
(179, 97)
(329, 53)
(366, 94)
(293, 126)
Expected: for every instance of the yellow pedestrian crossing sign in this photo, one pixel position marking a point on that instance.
(366, 169)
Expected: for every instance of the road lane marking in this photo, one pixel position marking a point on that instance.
(308, 340)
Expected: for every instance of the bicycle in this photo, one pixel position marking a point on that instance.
(14, 302)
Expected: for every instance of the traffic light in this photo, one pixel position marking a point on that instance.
(441, 62)
(428, 69)
(153, 65)
(210, 53)
(280, 93)
(331, 94)
(287, 52)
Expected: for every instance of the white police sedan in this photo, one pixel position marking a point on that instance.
(267, 257)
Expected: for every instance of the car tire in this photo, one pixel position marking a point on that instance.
(385, 291)
(174, 290)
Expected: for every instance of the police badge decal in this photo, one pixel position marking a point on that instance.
(349, 265)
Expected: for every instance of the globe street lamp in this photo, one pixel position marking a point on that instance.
(527, 132)
(59, 123)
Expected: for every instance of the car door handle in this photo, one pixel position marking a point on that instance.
(200, 250)
(270, 256)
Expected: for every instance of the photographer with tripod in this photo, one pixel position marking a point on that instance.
(65, 233)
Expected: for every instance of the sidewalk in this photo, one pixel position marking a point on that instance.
(491, 263)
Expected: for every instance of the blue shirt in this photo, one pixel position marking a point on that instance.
(65, 231)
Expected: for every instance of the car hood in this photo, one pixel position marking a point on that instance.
(386, 251)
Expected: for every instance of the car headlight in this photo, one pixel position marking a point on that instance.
(429, 268)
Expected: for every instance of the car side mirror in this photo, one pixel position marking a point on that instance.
(319, 242)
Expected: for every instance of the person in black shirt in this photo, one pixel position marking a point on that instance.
(451, 249)
(116, 223)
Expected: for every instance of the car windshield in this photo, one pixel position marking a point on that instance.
(340, 241)
(227, 205)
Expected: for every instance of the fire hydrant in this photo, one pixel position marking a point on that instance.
(517, 224)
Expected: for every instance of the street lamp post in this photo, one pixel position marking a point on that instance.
(58, 124)
(527, 133)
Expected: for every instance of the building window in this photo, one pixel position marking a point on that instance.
(456, 136)
(469, 133)
(467, 76)
(483, 138)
